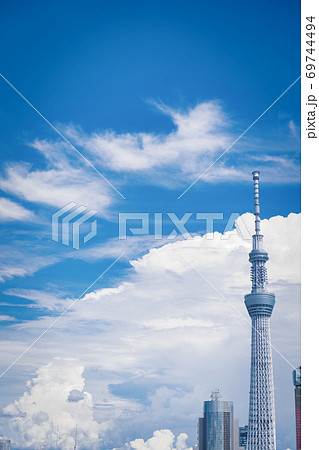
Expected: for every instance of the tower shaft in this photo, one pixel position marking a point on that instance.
(260, 303)
(261, 428)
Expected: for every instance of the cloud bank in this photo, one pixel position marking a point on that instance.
(161, 440)
(48, 413)
(157, 343)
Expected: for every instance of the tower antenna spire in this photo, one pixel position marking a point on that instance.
(257, 205)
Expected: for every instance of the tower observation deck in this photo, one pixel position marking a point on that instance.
(260, 304)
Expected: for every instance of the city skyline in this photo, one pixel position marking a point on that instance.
(218, 429)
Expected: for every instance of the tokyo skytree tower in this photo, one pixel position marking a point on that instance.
(260, 303)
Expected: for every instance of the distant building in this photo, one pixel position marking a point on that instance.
(216, 428)
(243, 436)
(236, 434)
(201, 434)
(296, 376)
(5, 444)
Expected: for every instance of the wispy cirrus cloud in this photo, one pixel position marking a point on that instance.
(39, 299)
(198, 132)
(21, 260)
(62, 181)
(198, 136)
(293, 129)
(4, 318)
(12, 211)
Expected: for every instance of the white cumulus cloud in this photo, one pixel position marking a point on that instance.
(159, 341)
(161, 440)
(44, 414)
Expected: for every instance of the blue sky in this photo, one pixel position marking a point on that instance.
(151, 93)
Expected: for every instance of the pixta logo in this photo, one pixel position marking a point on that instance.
(66, 224)
(139, 224)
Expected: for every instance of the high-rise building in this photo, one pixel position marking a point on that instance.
(215, 430)
(236, 434)
(243, 435)
(5, 444)
(260, 303)
(201, 434)
(296, 375)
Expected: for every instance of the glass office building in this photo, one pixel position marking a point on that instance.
(5, 444)
(201, 434)
(296, 375)
(216, 428)
(243, 434)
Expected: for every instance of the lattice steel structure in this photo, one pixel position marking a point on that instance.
(260, 303)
